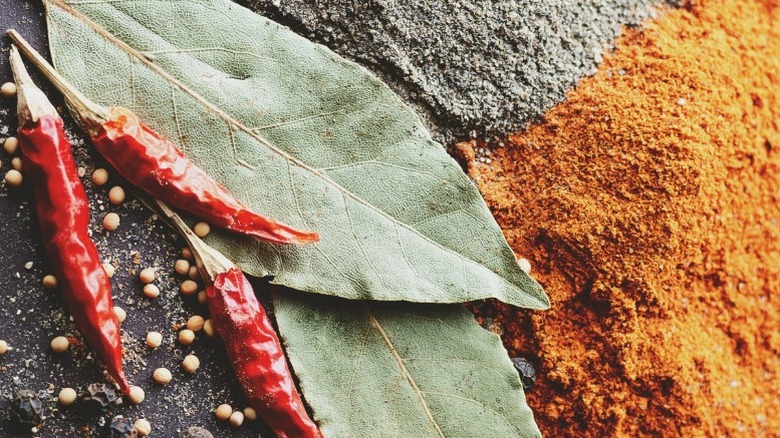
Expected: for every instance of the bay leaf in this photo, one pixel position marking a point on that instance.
(303, 136)
(372, 369)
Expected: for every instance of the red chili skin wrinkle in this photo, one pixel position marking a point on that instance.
(157, 166)
(63, 215)
(257, 356)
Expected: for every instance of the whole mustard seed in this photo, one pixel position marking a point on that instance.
(236, 419)
(14, 178)
(188, 287)
(109, 268)
(100, 177)
(49, 281)
(154, 339)
(137, 395)
(181, 267)
(120, 313)
(60, 344)
(151, 291)
(147, 275)
(223, 412)
(111, 221)
(67, 396)
(195, 323)
(191, 363)
(201, 229)
(162, 376)
(143, 427)
(11, 145)
(186, 337)
(116, 195)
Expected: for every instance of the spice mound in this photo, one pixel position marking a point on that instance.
(648, 205)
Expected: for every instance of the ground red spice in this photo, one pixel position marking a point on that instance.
(648, 205)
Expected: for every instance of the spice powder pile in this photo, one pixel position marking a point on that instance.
(648, 204)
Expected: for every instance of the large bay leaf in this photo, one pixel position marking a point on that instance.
(401, 370)
(301, 135)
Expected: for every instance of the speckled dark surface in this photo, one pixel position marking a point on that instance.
(31, 316)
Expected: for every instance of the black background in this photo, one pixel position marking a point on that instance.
(31, 316)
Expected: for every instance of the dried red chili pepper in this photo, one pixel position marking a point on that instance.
(63, 215)
(250, 340)
(157, 166)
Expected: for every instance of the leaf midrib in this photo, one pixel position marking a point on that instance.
(231, 121)
(407, 375)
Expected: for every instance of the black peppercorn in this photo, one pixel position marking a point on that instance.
(27, 408)
(97, 399)
(526, 370)
(121, 427)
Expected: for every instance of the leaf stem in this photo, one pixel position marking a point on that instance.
(210, 262)
(91, 114)
(32, 104)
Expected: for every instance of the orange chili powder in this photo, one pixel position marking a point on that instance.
(648, 205)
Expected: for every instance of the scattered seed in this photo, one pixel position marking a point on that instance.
(223, 412)
(100, 177)
(193, 274)
(3, 347)
(151, 291)
(195, 323)
(186, 253)
(162, 376)
(111, 221)
(60, 344)
(154, 339)
(120, 313)
(188, 287)
(137, 395)
(143, 427)
(11, 145)
(8, 90)
(191, 363)
(181, 267)
(67, 396)
(525, 265)
(208, 328)
(109, 268)
(201, 229)
(116, 195)
(13, 178)
(16, 163)
(147, 275)
(236, 419)
(49, 281)
(81, 171)
(186, 337)
(250, 414)
(202, 297)
(28, 265)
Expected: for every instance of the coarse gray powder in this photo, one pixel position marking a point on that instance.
(471, 67)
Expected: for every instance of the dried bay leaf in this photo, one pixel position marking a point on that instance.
(302, 135)
(372, 369)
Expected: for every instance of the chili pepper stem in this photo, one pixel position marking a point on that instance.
(32, 104)
(91, 114)
(209, 261)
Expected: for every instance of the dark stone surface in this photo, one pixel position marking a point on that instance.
(31, 316)
(471, 67)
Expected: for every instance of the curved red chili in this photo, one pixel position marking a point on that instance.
(257, 356)
(157, 166)
(63, 217)
(154, 164)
